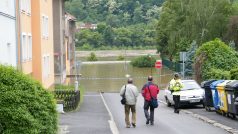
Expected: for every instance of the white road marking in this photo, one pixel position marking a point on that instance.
(112, 123)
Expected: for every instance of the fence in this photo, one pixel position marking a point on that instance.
(171, 65)
(70, 98)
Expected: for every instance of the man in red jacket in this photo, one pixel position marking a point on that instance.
(148, 90)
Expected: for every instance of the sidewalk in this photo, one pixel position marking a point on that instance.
(91, 118)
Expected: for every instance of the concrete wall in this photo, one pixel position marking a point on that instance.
(8, 42)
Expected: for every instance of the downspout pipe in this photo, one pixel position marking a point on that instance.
(19, 39)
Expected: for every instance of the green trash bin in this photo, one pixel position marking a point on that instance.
(232, 95)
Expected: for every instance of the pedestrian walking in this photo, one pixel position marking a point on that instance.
(149, 90)
(175, 85)
(130, 92)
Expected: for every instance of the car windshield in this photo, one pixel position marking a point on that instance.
(189, 85)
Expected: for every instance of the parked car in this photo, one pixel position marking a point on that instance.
(190, 94)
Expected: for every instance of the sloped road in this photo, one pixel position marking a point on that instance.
(103, 114)
(166, 122)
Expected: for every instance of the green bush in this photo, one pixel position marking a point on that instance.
(92, 57)
(120, 58)
(214, 55)
(144, 61)
(25, 106)
(218, 74)
(234, 74)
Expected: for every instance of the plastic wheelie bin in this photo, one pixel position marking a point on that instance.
(232, 94)
(215, 96)
(236, 105)
(208, 101)
(223, 108)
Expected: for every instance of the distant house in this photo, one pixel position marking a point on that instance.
(64, 42)
(70, 29)
(8, 33)
(86, 26)
(59, 45)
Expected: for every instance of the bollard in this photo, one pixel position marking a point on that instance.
(76, 86)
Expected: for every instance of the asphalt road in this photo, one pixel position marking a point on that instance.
(166, 122)
(103, 114)
(233, 123)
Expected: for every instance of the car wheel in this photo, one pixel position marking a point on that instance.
(167, 101)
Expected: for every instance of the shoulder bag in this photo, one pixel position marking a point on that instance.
(123, 100)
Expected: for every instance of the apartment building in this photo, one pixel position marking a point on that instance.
(8, 33)
(42, 40)
(24, 27)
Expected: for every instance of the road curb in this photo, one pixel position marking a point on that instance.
(212, 122)
(207, 120)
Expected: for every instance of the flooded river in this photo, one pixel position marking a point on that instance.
(110, 76)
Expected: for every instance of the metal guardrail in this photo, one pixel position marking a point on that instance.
(70, 98)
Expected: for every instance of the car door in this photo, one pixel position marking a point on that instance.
(169, 95)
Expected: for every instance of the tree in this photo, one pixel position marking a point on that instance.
(182, 21)
(189, 71)
(212, 58)
(232, 31)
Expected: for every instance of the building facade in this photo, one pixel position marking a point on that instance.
(8, 33)
(24, 28)
(59, 42)
(70, 29)
(42, 40)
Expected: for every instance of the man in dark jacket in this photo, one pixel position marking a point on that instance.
(149, 90)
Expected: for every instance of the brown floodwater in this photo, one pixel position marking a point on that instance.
(109, 76)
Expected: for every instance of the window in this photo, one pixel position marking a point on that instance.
(23, 5)
(46, 66)
(24, 47)
(45, 26)
(30, 46)
(26, 6)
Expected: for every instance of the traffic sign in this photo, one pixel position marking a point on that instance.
(158, 64)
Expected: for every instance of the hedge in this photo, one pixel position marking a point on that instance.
(234, 74)
(214, 58)
(25, 106)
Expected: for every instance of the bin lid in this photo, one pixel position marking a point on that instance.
(206, 84)
(224, 83)
(232, 86)
(214, 84)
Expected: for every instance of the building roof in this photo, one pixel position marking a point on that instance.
(70, 17)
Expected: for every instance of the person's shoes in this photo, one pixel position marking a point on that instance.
(176, 111)
(133, 124)
(152, 123)
(128, 126)
(147, 121)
